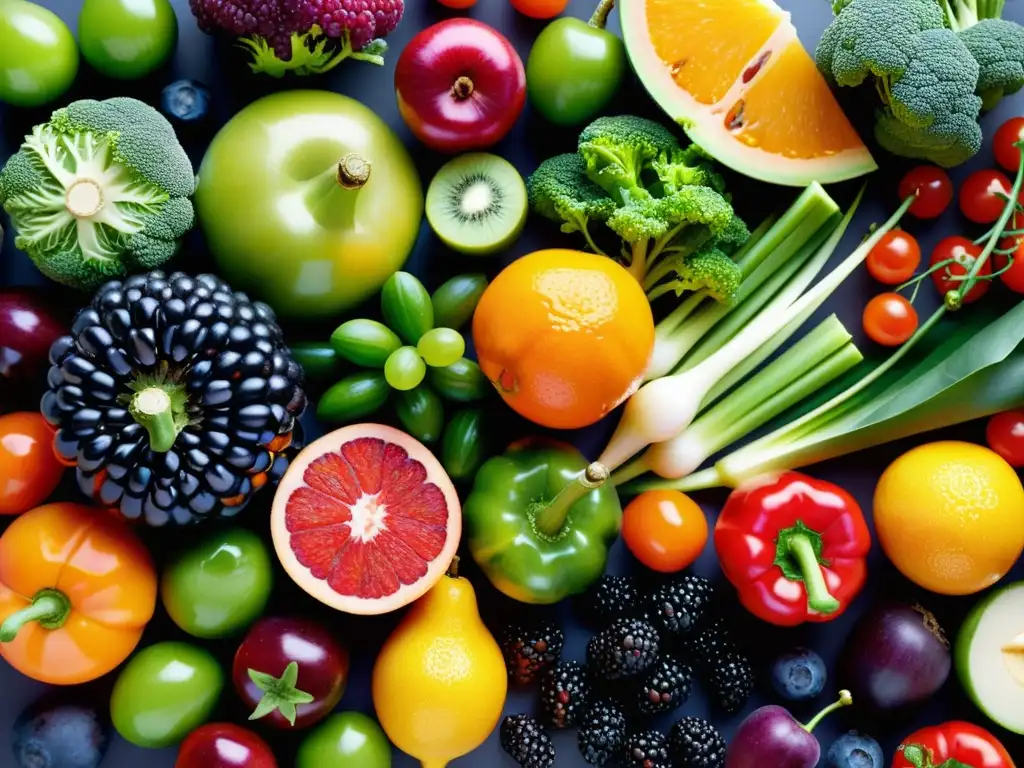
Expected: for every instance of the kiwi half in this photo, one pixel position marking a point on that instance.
(477, 203)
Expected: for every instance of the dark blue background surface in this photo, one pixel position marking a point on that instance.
(220, 66)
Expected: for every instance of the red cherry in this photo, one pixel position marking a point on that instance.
(223, 745)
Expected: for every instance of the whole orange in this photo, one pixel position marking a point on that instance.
(565, 336)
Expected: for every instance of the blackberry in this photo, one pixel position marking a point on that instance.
(602, 733)
(564, 693)
(646, 750)
(729, 681)
(524, 739)
(528, 650)
(665, 686)
(710, 640)
(612, 597)
(677, 607)
(626, 648)
(696, 743)
(176, 398)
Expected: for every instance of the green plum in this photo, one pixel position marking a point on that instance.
(308, 201)
(575, 68)
(219, 586)
(164, 692)
(38, 56)
(127, 39)
(345, 740)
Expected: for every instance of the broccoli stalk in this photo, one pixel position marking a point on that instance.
(98, 192)
(961, 14)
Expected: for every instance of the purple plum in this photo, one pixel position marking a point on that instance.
(772, 736)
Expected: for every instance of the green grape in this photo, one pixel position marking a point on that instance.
(404, 369)
(441, 347)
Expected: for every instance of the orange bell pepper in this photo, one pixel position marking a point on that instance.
(77, 588)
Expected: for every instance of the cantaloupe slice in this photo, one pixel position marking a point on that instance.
(734, 74)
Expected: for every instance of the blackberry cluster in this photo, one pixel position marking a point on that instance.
(725, 671)
(665, 687)
(678, 606)
(524, 739)
(564, 694)
(529, 650)
(602, 733)
(626, 648)
(612, 597)
(696, 743)
(648, 749)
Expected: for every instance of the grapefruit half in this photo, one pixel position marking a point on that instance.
(735, 76)
(366, 520)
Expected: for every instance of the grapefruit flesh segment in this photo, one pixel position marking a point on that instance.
(369, 525)
(721, 38)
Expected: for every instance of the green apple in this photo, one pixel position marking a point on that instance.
(309, 202)
(990, 656)
(345, 740)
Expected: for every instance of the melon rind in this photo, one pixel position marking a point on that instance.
(704, 128)
(319, 588)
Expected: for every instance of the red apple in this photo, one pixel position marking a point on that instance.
(460, 85)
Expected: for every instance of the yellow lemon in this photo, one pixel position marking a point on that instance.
(950, 516)
(439, 682)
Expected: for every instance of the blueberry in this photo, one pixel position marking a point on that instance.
(854, 750)
(799, 675)
(185, 100)
(60, 731)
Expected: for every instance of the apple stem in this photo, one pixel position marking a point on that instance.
(600, 17)
(453, 569)
(463, 88)
(845, 700)
(353, 171)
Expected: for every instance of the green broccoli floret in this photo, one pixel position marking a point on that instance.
(998, 47)
(932, 113)
(617, 150)
(99, 191)
(733, 236)
(709, 269)
(560, 190)
(685, 168)
(873, 38)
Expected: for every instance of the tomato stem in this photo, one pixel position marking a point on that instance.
(549, 518)
(279, 693)
(49, 608)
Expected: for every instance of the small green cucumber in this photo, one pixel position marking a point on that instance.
(365, 342)
(462, 448)
(462, 381)
(455, 301)
(354, 397)
(406, 307)
(421, 412)
(318, 359)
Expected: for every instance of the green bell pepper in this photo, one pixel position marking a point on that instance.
(539, 522)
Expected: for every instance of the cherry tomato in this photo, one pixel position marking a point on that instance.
(457, 4)
(981, 195)
(665, 530)
(1009, 133)
(224, 745)
(29, 469)
(965, 253)
(540, 9)
(934, 191)
(889, 319)
(1005, 436)
(895, 258)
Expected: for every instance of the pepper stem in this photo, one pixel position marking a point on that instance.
(600, 17)
(152, 408)
(818, 597)
(845, 700)
(353, 171)
(49, 608)
(279, 693)
(551, 517)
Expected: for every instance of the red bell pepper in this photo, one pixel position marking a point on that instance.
(795, 548)
(955, 744)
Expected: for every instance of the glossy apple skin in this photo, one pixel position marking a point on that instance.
(770, 736)
(28, 326)
(224, 745)
(437, 108)
(271, 645)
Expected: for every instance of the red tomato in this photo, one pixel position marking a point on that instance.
(665, 530)
(965, 253)
(29, 469)
(1009, 133)
(1005, 436)
(540, 9)
(934, 191)
(1013, 278)
(981, 195)
(895, 258)
(223, 745)
(889, 319)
